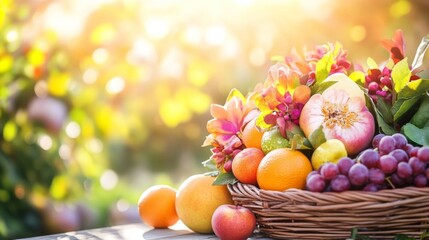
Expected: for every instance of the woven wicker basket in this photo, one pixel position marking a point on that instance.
(299, 214)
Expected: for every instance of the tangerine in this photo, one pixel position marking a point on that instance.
(251, 135)
(245, 165)
(282, 169)
(157, 206)
(197, 199)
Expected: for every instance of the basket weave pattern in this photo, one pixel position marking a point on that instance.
(299, 214)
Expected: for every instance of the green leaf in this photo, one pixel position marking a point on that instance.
(358, 77)
(323, 67)
(417, 135)
(421, 117)
(385, 127)
(210, 164)
(414, 88)
(321, 87)
(297, 141)
(371, 63)
(401, 74)
(317, 137)
(425, 234)
(225, 178)
(384, 110)
(404, 107)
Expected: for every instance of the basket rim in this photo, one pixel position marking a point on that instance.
(393, 193)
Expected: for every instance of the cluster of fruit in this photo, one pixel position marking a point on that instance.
(391, 163)
(200, 205)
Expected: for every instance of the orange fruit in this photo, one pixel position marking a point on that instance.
(251, 136)
(245, 165)
(157, 206)
(197, 199)
(283, 168)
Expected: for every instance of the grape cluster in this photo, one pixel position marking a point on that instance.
(391, 163)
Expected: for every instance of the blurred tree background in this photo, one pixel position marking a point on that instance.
(100, 99)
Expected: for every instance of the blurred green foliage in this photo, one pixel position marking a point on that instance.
(101, 99)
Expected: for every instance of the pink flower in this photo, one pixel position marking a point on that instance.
(226, 125)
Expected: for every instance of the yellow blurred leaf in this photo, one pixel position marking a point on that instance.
(59, 187)
(9, 131)
(36, 57)
(174, 112)
(400, 8)
(194, 99)
(6, 63)
(198, 73)
(90, 166)
(103, 33)
(58, 83)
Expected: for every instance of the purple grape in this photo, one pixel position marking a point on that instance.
(371, 187)
(376, 176)
(417, 165)
(397, 181)
(388, 164)
(427, 172)
(400, 155)
(311, 174)
(329, 170)
(369, 158)
(420, 181)
(358, 174)
(386, 145)
(400, 140)
(316, 183)
(408, 148)
(376, 140)
(344, 165)
(423, 154)
(404, 170)
(340, 183)
(413, 152)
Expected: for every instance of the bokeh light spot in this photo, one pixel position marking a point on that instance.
(257, 57)
(45, 142)
(73, 130)
(357, 33)
(115, 85)
(65, 152)
(215, 35)
(193, 35)
(109, 180)
(157, 28)
(12, 35)
(400, 8)
(122, 205)
(41, 89)
(90, 76)
(100, 55)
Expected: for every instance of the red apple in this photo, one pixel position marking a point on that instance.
(231, 222)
